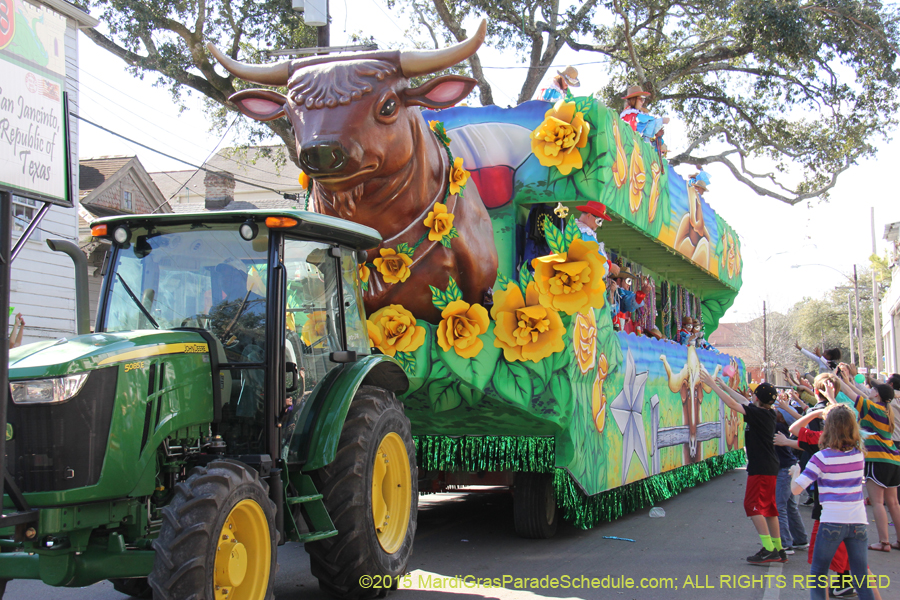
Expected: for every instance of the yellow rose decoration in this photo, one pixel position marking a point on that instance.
(585, 340)
(375, 337)
(363, 271)
(557, 140)
(395, 330)
(314, 330)
(304, 180)
(524, 329)
(638, 178)
(460, 327)
(439, 221)
(458, 176)
(571, 281)
(394, 267)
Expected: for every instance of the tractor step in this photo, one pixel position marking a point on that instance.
(315, 536)
(304, 499)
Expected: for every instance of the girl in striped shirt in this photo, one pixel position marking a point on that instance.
(837, 470)
(876, 419)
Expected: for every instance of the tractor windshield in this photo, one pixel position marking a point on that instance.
(184, 277)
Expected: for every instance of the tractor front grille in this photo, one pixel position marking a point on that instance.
(57, 447)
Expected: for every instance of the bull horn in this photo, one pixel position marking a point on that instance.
(275, 74)
(675, 381)
(423, 62)
(714, 375)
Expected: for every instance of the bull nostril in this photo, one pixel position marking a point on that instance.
(323, 158)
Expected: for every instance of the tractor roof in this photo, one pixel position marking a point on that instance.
(309, 225)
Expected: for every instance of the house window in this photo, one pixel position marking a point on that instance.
(126, 201)
(24, 210)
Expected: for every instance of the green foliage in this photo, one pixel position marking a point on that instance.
(502, 282)
(403, 248)
(525, 277)
(554, 237)
(453, 233)
(407, 360)
(442, 299)
(167, 38)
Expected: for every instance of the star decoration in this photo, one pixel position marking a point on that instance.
(627, 410)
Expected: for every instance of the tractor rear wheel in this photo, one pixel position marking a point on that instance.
(534, 506)
(218, 537)
(370, 491)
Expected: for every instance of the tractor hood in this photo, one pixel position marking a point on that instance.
(96, 350)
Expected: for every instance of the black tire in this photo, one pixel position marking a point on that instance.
(346, 485)
(136, 587)
(192, 523)
(535, 512)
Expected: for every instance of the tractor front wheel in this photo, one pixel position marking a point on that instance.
(218, 537)
(370, 491)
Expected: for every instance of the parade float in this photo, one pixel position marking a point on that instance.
(517, 374)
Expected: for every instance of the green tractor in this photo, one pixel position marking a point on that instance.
(226, 403)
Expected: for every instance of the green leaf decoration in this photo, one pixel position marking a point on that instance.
(471, 396)
(403, 248)
(441, 133)
(444, 395)
(512, 382)
(407, 360)
(561, 386)
(445, 241)
(554, 237)
(364, 285)
(438, 298)
(525, 277)
(571, 233)
(475, 371)
(502, 282)
(453, 291)
(453, 233)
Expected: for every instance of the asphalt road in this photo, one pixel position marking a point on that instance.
(704, 536)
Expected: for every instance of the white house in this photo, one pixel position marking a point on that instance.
(42, 285)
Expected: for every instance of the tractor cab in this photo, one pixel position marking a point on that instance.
(278, 310)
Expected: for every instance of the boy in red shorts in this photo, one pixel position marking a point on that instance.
(762, 463)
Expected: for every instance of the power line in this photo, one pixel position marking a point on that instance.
(190, 164)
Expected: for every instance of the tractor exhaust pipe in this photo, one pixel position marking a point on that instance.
(82, 306)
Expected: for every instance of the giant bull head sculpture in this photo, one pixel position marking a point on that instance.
(362, 139)
(688, 384)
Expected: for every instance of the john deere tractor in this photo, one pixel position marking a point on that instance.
(226, 402)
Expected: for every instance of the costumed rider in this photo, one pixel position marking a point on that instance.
(559, 86)
(641, 121)
(699, 181)
(591, 218)
(700, 340)
(685, 335)
(623, 302)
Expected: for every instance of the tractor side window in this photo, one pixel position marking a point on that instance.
(313, 307)
(354, 311)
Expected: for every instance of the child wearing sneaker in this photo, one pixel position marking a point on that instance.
(762, 463)
(838, 470)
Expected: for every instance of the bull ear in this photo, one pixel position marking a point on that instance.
(440, 92)
(259, 104)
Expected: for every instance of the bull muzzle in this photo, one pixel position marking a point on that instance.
(323, 158)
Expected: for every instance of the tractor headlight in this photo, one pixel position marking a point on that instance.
(47, 391)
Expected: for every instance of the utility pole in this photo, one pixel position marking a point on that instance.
(859, 339)
(849, 326)
(876, 310)
(765, 346)
(324, 32)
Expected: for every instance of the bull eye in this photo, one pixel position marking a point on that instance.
(388, 108)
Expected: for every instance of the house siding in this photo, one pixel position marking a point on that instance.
(42, 282)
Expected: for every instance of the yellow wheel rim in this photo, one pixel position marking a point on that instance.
(243, 554)
(391, 492)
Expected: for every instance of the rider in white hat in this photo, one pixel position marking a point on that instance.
(559, 85)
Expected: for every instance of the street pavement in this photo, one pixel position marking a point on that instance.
(697, 551)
